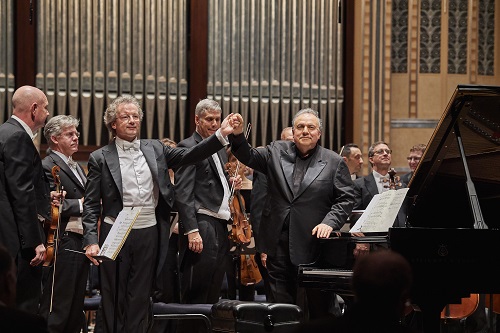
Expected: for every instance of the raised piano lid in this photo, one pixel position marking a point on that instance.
(438, 195)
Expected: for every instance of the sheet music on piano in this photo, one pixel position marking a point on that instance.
(381, 212)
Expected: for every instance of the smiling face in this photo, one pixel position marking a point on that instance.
(381, 160)
(306, 132)
(127, 122)
(414, 159)
(207, 123)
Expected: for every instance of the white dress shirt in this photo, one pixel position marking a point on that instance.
(139, 189)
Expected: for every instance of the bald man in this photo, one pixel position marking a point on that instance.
(24, 193)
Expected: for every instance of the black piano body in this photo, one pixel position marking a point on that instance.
(452, 234)
(332, 270)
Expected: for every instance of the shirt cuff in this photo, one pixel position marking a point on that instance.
(80, 202)
(223, 140)
(191, 231)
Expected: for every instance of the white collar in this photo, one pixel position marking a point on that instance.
(124, 143)
(25, 126)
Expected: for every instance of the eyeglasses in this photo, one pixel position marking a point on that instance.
(416, 159)
(126, 118)
(382, 151)
(70, 135)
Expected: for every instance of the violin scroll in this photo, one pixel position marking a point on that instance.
(394, 181)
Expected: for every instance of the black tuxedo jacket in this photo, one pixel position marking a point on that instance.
(366, 188)
(325, 195)
(74, 189)
(104, 184)
(258, 199)
(198, 185)
(24, 191)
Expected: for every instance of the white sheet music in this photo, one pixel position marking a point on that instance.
(119, 232)
(381, 212)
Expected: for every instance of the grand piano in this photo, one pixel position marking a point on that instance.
(452, 236)
(452, 231)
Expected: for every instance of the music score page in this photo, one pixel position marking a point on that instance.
(119, 233)
(381, 212)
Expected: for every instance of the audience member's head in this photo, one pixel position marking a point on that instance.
(7, 279)
(383, 279)
(353, 157)
(416, 153)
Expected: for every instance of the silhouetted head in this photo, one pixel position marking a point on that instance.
(383, 280)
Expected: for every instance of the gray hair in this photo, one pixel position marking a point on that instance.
(310, 111)
(110, 114)
(56, 125)
(206, 105)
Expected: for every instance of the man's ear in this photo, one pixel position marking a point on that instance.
(54, 140)
(344, 158)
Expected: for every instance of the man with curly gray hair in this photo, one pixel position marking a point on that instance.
(132, 172)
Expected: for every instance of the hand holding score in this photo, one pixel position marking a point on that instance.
(91, 251)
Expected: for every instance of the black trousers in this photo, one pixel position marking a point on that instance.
(137, 263)
(29, 282)
(202, 273)
(70, 280)
(284, 285)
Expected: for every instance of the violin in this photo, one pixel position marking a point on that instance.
(52, 229)
(249, 271)
(241, 231)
